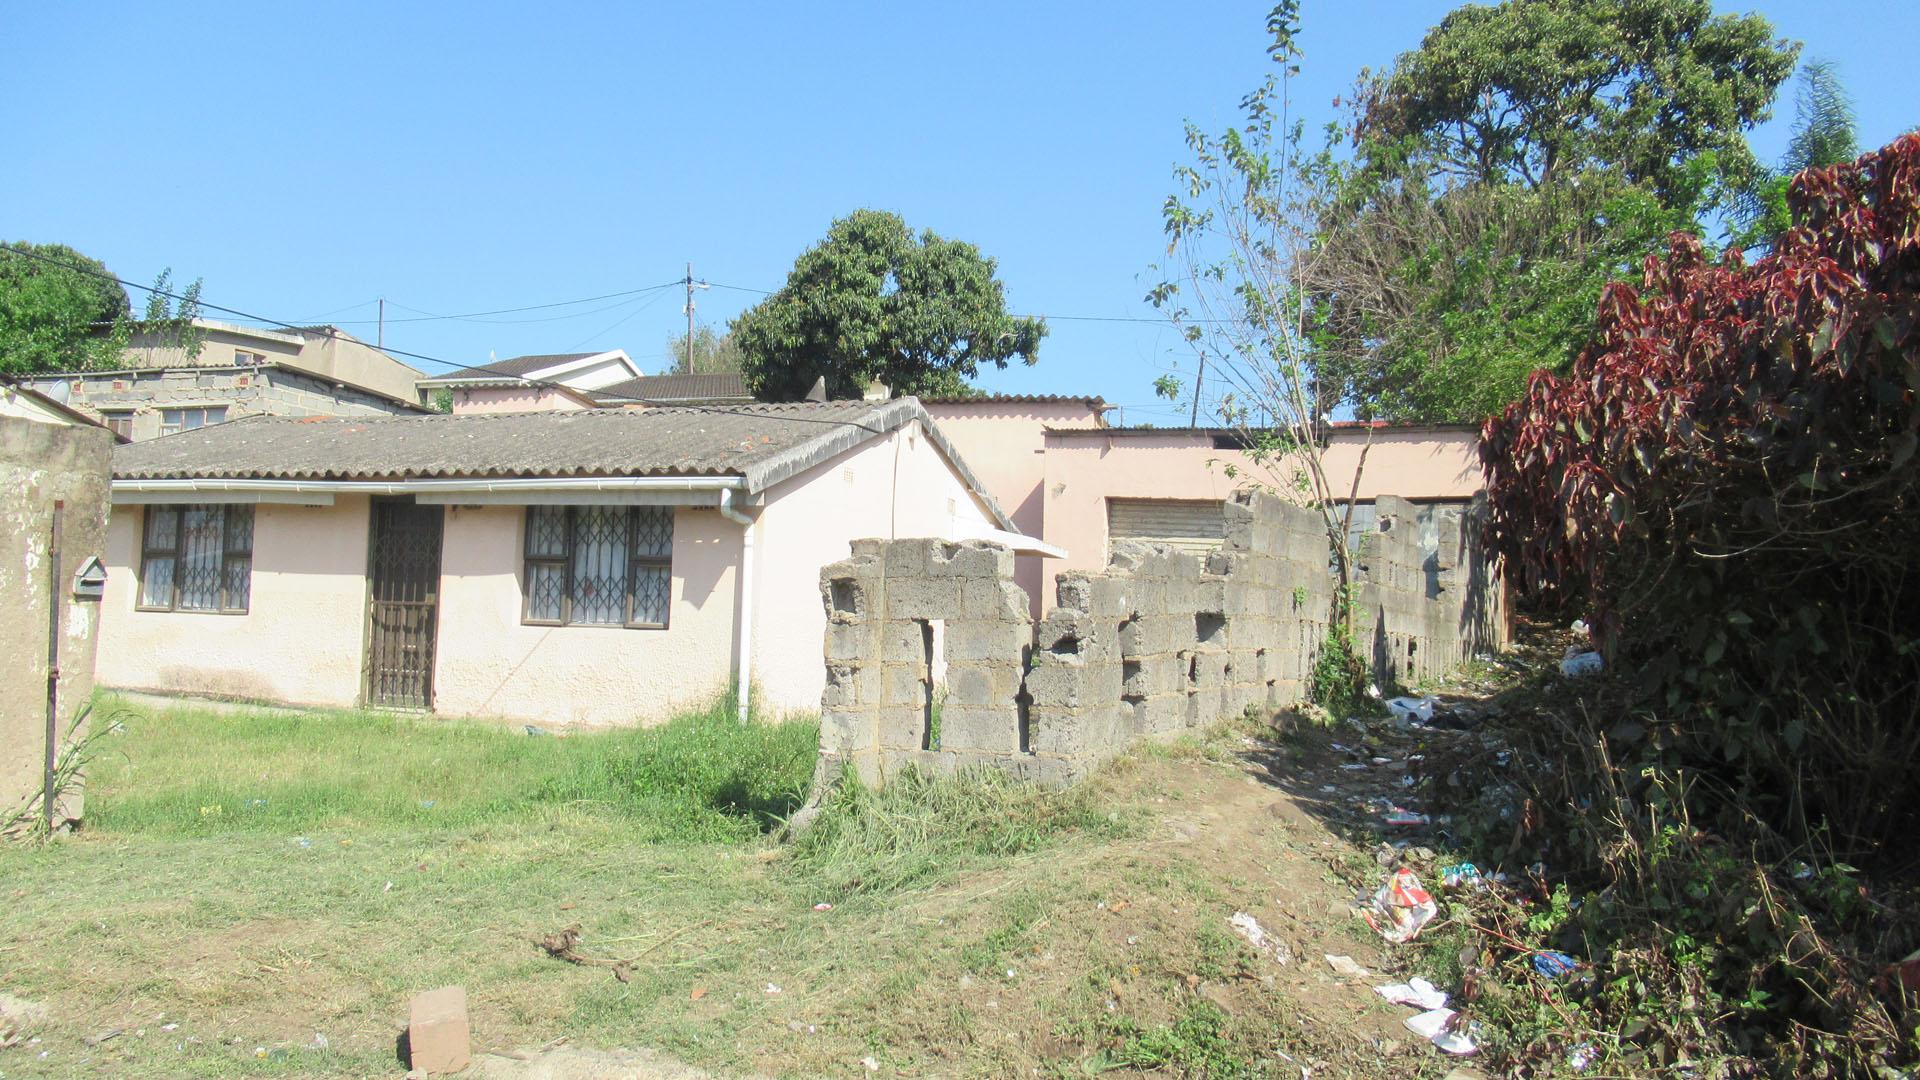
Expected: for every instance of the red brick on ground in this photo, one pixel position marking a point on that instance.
(437, 1035)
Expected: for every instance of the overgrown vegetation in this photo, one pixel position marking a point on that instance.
(868, 840)
(1723, 486)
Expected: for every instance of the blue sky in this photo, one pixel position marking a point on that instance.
(305, 160)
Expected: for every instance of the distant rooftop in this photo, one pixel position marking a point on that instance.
(699, 388)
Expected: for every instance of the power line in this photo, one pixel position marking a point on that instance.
(330, 333)
(1057, 318)
(428, 316)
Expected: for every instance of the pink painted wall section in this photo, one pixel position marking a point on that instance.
(1004, 443)
(897, 486)
(499, 399)
(1086, 468)
(300, 640)
(489, 664)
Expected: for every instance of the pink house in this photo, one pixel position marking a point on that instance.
(590, 566)
(1078, 484)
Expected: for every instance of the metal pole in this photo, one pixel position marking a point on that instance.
(381, 341)
(53, 663)
(689, 318)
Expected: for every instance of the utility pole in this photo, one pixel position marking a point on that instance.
(1199, 379)
(381, 341)
(691, 285)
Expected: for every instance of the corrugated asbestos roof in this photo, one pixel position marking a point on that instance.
(764, 444)
(514, 366)
(710, 386)
(1017, 399)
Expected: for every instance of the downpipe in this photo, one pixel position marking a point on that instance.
(743, 676)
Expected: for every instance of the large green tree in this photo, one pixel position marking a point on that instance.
(1505, 170)
(59, 309)
(873, 301)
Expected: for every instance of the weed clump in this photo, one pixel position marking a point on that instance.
(917, 827)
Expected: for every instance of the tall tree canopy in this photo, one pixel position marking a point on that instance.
(54, 305)
(874, 302)
(1537, 89)
(1525, 154)
(1823, 134)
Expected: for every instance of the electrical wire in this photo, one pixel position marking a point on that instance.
(330, 333)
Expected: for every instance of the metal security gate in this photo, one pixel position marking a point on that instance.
(403, 603)
(1195, 525)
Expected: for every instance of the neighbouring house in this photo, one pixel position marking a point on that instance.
(569, 381)
(237, 371)
(1076, 483)
(591, 566)
(1002, 437)
(53, 501)
(1168, 485)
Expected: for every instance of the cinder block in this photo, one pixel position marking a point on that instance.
(972, 558)
(437, 1033)
(978, 727)
(992, 598)
(1073, 592)
(922, 598)
(982, 639)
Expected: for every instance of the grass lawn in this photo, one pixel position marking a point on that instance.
(259, 894)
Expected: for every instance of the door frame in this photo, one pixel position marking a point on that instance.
(374, 502)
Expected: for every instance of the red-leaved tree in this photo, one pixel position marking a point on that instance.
(1725, 484)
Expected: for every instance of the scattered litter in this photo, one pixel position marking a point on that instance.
(1249, 927)
(1581, 1056)
(1416, 992)
(533, 729)
(1373, 691)
(319, 1041)
(1345, 965)
(1355, 766)
(1401, 907)
(426, 804)
(870, 1064)
(772, 989)
(1411, 711)
(1009, 973)
(1408, 781)
(389, 887)
(169, 1027)
(1404, 817)
(302, 842)
(1453, 877)
(1582, 663)
(1380, 761)
(1328, 788)
(255, 804)
(823, 906)
(696, 993)
(1579, 627)
(1802, 871)
(1554, 965)
(1436, 1026)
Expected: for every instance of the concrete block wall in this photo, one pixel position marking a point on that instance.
(934, 662)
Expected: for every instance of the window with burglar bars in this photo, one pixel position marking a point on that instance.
(197, 558)
(599, 565)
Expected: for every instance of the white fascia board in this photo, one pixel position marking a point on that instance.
(552, 374)
(515, 491)
(283, 498)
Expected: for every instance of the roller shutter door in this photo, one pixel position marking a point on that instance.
(1187, 524)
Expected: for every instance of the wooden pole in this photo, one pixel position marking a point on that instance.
(54, 579)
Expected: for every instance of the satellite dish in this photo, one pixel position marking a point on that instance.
(61, 391)
(819, 391)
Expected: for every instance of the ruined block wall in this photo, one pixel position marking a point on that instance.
(934, 662)
(41, 464)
